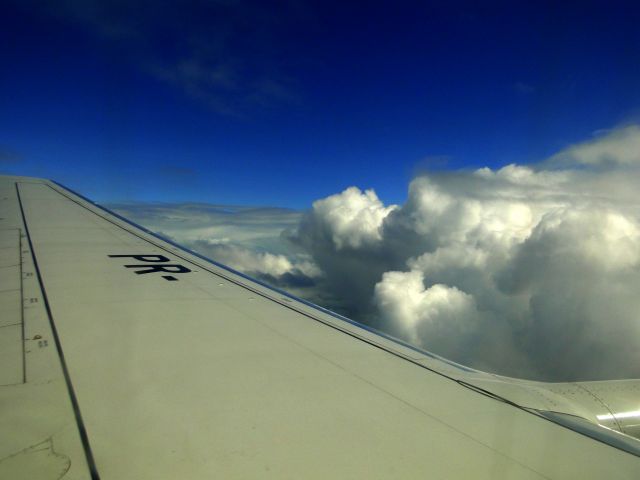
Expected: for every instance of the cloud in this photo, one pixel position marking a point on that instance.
(289, 271)
(343, 235)
(524, 88)
(529, 271)
(616, 148)
(257, 228)
(525, 270)
(9, 156)
(247, 239)
(224, 54)
(437, 312)
(579, 271)
(350, 219)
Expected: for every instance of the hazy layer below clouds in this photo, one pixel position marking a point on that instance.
(529, 271)
(248, 239)
(257, 228)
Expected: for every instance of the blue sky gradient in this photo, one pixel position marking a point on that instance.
(260, 103)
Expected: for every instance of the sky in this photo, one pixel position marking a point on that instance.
(281, 103)
(460, 176)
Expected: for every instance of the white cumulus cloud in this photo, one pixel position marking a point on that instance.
(617, 148)
(531, 271)
(528, 271)
(439, 311)
(351, 218)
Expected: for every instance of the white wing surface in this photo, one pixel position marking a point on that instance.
(123, 356)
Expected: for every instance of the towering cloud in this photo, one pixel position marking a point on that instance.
(343, 233)
(347, 220)
(527, 270)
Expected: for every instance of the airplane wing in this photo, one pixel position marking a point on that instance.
(125, 356)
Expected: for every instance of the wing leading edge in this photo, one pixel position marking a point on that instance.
(126, 356)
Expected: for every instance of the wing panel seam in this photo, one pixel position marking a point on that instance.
(84, 438)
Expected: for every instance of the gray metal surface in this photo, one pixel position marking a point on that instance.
(206, 374)
(11, 343)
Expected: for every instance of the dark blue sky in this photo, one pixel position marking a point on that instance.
(282, 103)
